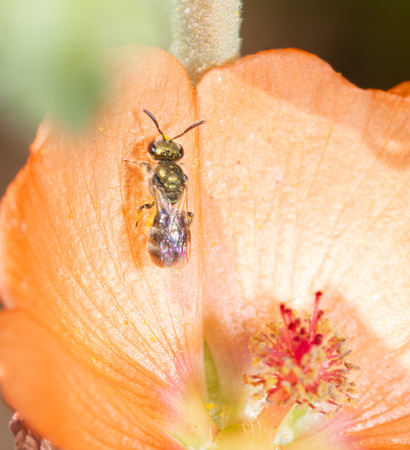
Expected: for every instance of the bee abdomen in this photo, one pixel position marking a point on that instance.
(154, 239)
(168, 239)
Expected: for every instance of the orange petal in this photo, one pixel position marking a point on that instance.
(387, 436)
(402, 89)
(76, 405)
(305, 186)
(73, 261)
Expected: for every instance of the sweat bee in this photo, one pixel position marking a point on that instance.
(169, 236)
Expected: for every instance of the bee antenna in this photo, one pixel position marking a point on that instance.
(155, 121)
(196, 124)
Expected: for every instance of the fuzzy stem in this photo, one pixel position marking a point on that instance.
(205, 33)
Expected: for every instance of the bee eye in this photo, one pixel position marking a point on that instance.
(152, 148)
(181, 152)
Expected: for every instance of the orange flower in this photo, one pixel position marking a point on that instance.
(299, 182)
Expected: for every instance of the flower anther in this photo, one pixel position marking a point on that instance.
(303, 362)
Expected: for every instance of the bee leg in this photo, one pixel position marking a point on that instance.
(190, 217)
(147, 165)
(145, 206)
(139, 163)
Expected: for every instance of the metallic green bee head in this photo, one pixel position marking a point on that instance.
(164, 148)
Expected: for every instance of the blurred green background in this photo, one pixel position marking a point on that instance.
(46, 49)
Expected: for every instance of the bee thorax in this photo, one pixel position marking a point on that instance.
(170, 177)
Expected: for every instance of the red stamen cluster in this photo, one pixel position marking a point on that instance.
(303, 362)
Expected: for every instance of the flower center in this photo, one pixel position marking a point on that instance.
(302, 362)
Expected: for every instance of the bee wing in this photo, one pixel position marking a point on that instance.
(165, 206)
(170, 237)
(182, 204)
(162, 203)
(183, 218)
